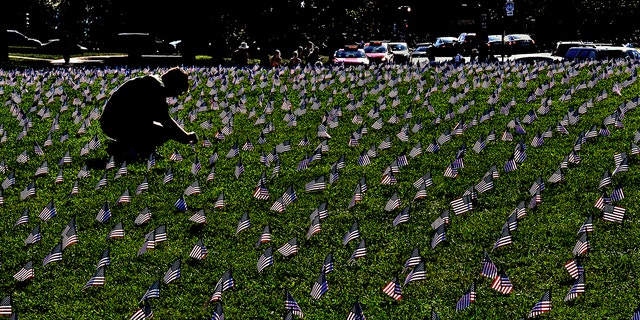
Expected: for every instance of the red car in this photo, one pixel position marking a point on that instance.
(378, 52)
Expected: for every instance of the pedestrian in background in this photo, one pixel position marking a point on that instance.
(241, 55)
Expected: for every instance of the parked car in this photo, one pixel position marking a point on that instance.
(350, 55)
(533, 58)
(378, 52)
(520, 43)
(443, 47)
(420, 53)
(601, 52)
(466, 42)
(400, 51)
(495, 44)
(16, 38)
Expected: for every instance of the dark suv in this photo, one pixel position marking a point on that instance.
(466, 42)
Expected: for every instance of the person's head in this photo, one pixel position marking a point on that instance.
(176, 81)
(243, 46)
(276, 53)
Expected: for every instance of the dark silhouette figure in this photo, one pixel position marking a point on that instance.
(136, 117)
(241, 55)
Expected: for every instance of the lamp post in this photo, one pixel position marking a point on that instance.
(407, 10)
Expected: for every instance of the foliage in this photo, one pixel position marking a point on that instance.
(542, 243)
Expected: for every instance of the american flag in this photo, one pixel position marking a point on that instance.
(489, 269)
(25, 273)
(485, 184)
(124, 198)
(512, 222)
(244, 223)
(587, 225)
(505, 238)
(605, 180)
(195, 166)
(84, 172)
(290, 304)
(574, 267)
(417, 273)
(316, 184)
(393, 203)
(168, 176)
(176, 156)
(403, 216)
(181, 204)
(321, 211)
(393, 289)
(220, 203)
(199, 250)
(29, 191)
(69, 236)
(577, 289)
(359, 252)
(193, 188)
(314, 228)
(5, 306)
(635, 316)
(117, 232)
(265, 260)
(442, 219)
(289, 248)
(102, 182)
(327, 264)
(54, 255)
(320, 287)
(24, 218)
(121, 171)
(502, 283)
(613, 213)
(617, 194)
(543, 305)
(48, 212)
(97, 280)
(173, 273)
(143, 313)
(42, 170)
(152, 292)
(9, 180)
(104, 213)
(467, 298)
(582, 245)
(439, 236)
(265, 236)
(105, 259)
(356, 312)
(352, 234)
(143, 186)
(462, 205)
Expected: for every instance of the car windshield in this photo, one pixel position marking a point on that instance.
(519, 37)
(397, 46)
(447, 40)
(375, 49)
(350, 54)
(495, 38)
(420, 49)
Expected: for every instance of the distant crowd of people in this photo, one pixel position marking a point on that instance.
(303, 55)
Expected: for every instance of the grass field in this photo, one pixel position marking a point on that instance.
(408, 106)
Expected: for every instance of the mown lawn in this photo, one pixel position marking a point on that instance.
(44, 106)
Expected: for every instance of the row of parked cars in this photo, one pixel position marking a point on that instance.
(399, 52)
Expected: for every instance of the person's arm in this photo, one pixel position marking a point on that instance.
(173, 130)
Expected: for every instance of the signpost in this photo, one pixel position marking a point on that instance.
(508, 7)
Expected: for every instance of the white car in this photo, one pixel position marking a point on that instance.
(400, 51)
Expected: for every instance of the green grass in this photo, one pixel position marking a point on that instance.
(542, 243)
